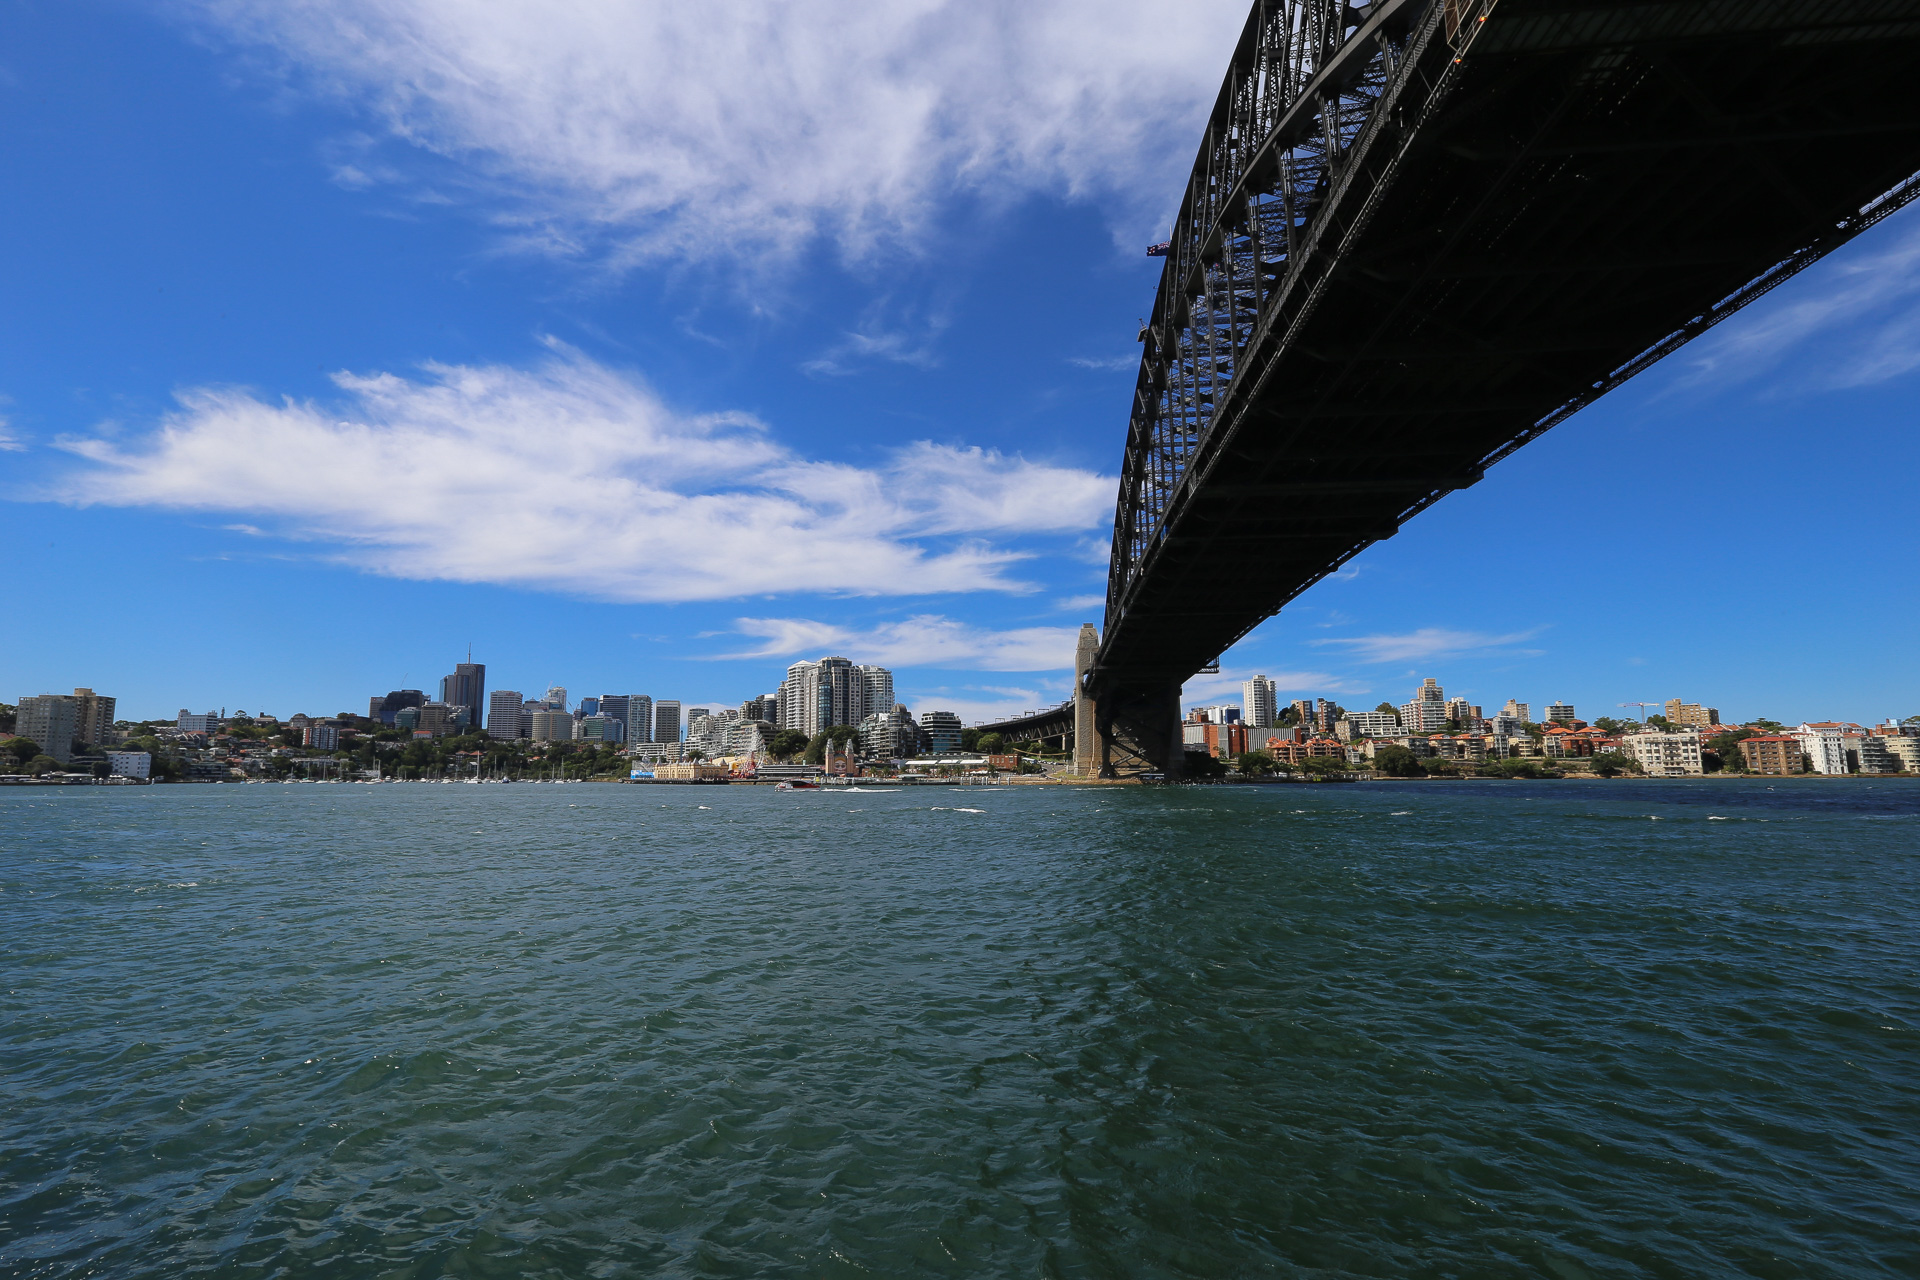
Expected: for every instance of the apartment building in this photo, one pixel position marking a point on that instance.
(1691, 714)
(1775, 754)
(1666, 755)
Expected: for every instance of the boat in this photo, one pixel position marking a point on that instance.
(797, 785)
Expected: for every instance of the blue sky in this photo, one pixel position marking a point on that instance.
(650, 348)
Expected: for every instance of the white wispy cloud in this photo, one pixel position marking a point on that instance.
(1427, 642)
(678, 128)
(1105, 363)
(972, 708)
(926, 640)
(1081, 604)
(8, 442)
(1870, 303)
(573, 477)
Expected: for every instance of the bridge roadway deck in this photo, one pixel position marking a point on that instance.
(1550, 203)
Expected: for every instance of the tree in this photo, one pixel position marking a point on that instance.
(1519, 769)
(816, 752)
(970, 740)
(1255, 764)
(23, 749)
(1726, 748)
(695, 753)
(1397, 762)
(1443, 768)
(1611, 764)
(787, 743)
(1388, 709)
(990, 744)
(1614, 728)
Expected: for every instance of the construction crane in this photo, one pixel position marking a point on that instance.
(1643, 708)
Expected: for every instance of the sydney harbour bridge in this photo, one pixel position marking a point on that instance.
(1420, 233)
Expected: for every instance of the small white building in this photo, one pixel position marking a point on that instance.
(130, 764)
(1667, 755)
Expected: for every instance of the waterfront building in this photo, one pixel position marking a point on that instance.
(503, 715)
(650, 752)
(188, 722)
(941, 730)
(666, 720)
(1560, 713)
(1904, 749)
(1258, 704)
(1773, 754)
(893, 735)
(750, 738)
(93, 717)
(466, 687)
(51, 720)
(129, 764)
(1867, 753)
(1666, 755)
(1221, 739)
(1823, 744)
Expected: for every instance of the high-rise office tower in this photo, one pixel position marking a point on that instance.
(503, 715)
(395, 702)
(666, 720)
(639, 717)
(614, 705)
(466, 687)
(556, 697)
(1257, 702)
(876, 693)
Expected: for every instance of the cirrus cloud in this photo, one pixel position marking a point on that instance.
(674, 128)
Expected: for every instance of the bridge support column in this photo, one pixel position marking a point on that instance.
(1139, 732)
(1088, 749)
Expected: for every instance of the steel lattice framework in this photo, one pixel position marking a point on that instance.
(1420, 233)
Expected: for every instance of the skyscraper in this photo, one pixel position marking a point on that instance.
(614, 705)
(466, 687)
(395, 702)
(876, 694)
(833, 691)
(556, 697)
(639, 717)
(503, 715)
(666, 720)
(1257, 700)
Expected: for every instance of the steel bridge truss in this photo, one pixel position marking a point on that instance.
(1306, 78)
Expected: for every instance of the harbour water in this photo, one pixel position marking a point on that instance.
(1425, 1029)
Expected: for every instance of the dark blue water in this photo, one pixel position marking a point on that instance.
(1484, 1029)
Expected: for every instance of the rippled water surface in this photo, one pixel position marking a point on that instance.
(1493, 1029)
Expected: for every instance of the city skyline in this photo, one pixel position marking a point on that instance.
(918, 474)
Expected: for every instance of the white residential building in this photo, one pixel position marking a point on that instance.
(1521, 711)
(1371, 724)
(130, 764)
(1904, 749)
(1259, 709)
(1560, 712)
(1668, 755)
(1824, 746)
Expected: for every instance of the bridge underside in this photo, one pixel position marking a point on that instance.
(1536, 208)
